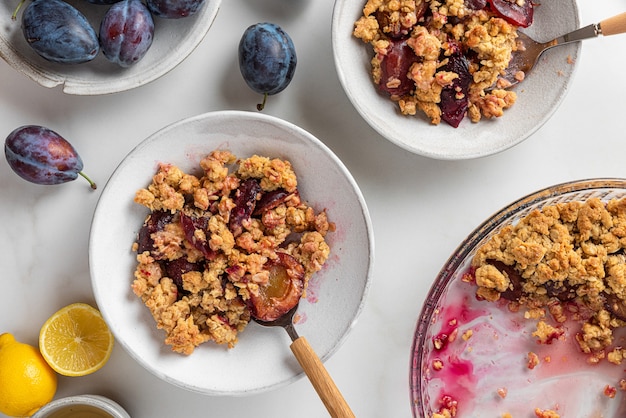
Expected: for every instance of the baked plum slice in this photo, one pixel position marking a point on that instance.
(190, 225)
(564, 292)
(455, 97)
(245, 200)
(283, 290)
(394, 27)
(514, 292)
(175, 269)
(475, 4)
(615, 305)
(514, 12)
(394, 66)
(155, 222)
(271, 200)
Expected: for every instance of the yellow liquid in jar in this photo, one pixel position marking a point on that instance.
(80, 411)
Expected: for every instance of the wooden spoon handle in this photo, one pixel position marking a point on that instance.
(614, 25)
(320, 379)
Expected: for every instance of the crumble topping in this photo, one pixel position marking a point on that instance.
(568, 259)
(427, 36)
(208, 244)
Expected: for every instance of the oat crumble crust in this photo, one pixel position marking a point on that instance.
(491, 38)
(212, 303)
(566, 259)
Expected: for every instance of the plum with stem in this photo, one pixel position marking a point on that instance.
(267, 59)
(42, 156)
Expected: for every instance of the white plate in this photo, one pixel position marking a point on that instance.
(262, 359)
(538, 96)
(174, 40)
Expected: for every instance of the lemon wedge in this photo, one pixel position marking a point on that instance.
(76, 341)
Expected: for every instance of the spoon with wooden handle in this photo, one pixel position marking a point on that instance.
(524, 59)
(313, 367)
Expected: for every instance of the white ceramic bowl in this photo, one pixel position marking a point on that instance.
(82, 406)
(174, 40)
(486, 369)
(262, 359)
(538, 96)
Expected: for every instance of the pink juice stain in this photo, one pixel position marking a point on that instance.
(478, 364)
(456, 373)
(315, 282)
(312, 290)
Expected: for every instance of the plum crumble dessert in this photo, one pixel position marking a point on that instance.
(444, 57)
(232, 242)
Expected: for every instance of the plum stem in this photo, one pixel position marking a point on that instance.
(91, 183)
(17, 9)
(261, 106)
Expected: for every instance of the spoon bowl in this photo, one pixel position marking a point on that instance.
(285, 321)
(524, 59)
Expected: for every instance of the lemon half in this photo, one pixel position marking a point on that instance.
(76, 341)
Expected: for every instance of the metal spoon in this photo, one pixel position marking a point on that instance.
(525, 58)
(313, 367)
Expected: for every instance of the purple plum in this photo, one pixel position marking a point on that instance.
(174, 9)
(126, 32)
(42, 156)
(58, 32)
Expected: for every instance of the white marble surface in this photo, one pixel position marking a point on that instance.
(421, 209)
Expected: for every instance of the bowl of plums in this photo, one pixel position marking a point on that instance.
(93, 47)
(213, 228)
(439, 79)
(528, 315)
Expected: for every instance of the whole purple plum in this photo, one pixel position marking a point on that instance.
(59, 32)
(174, 9)
(126, 32)
(267, 59)
(42, 156)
